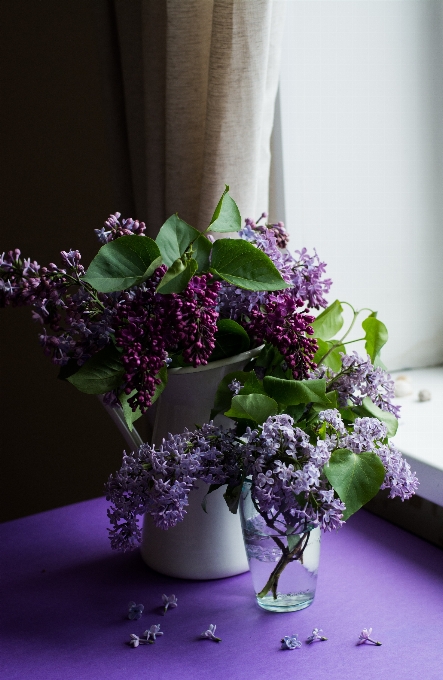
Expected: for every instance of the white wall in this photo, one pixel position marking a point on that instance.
(361, 116)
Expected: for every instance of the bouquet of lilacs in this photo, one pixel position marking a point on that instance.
(144, 306)
(313, 450)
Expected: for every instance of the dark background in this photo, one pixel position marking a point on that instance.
(57, 446)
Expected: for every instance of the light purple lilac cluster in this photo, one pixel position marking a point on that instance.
(116, 227)
(285, 468)
(358, 378)
(158, 480)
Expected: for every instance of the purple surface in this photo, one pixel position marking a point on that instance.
(65, 593)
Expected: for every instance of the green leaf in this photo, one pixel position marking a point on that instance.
(295, 412)
(230, 339)
(332, 397)
(376, 335)
(293, 541)
(293, 392)
(177, 277)
(68, 369)
(333, 359)
(201, 250)
(244, 265)
(256, 407)
(252, 385)
(174, 238)
(271, 360)
(232, 497)
(369, 409)
(348, 414)
(130, 415)
(329, 322)
(212, 487)
(226, 216)
(355, 477)
(103, 372)
(223, 396)
(125, 262)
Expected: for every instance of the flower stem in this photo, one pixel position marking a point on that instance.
(287, 557)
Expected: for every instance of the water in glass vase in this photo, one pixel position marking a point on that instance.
(283, 567)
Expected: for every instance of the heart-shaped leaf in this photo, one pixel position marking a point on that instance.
(102, 373)
(355, 477)
(293, 392)
(329, 322)
(174, 238)
(125, 262)
(226, 216)
(256, 407)
(201, 250)
(244, 265)
(329, 357)
(376, 336)
(177, 277)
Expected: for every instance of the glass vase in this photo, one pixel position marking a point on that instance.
(283, 562)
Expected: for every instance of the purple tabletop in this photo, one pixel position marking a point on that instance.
(65, 595)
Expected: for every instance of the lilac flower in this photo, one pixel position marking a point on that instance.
(159, 480)
(357, 379)
(290, 642)
(365, 637)
(235, 386)
(117, 227)
(210, 633)
(169, 601)
(135, 640)
(315, 636)
(399, 478)
(135, 611)
(152, 632)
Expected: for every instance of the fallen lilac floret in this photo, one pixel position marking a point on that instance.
(315, 636)
(153, 631)
(135, 640)
(169, 601)
(290, 642)
(135, 611)
(209, 634)
(364, 637)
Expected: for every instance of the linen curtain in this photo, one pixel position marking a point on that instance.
(190, 89)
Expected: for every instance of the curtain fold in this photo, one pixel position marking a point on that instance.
(200, 79)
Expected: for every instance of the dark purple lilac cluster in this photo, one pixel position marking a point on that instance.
(357, 379)
(150, 326)
(116, 227)
(281, 319)
(282, 324)
(196, 314)
(142, 332)
(284, 465)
